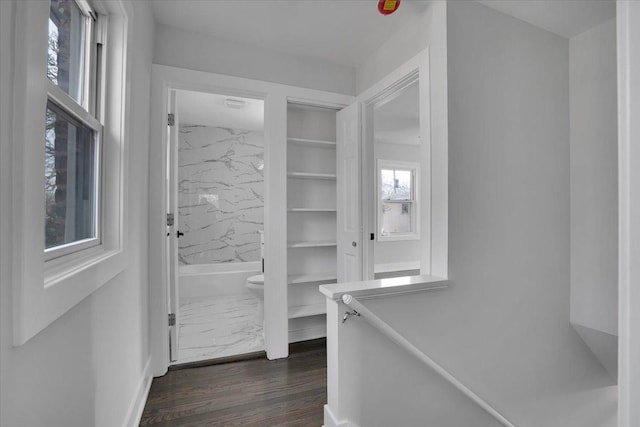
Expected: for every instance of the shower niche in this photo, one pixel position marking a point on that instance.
(311, 216)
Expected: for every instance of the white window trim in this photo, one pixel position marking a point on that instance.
(45, 290)
(396, 164)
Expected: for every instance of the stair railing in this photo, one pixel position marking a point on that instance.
(361, 311)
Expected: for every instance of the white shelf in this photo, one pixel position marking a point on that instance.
(312, 142)
(297, 311)
(296, 279)
(312, 244)
(311, 216)
(310, 175)
(311, 210)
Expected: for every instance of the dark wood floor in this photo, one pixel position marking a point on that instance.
(284, 392)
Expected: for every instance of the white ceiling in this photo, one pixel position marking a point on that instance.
(207, 109)
(566, 18)
(346, 32)
(342, 32)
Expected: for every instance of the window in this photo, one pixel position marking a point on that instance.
(68, 194)
(397, 204)
(70, 180)
(72, 130)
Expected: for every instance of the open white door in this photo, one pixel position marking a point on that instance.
(172, 226)
(348, 194)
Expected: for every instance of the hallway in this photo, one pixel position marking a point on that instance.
(259, 392)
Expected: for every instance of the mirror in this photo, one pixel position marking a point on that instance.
(396, 164)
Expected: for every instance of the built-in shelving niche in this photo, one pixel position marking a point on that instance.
(311, 216)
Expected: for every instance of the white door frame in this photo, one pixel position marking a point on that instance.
(171, 261)
(275, 97)
(628, 47)
(434, 168)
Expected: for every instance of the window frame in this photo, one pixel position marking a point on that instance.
(414, 202)
(88, 113)
(82, 244)
(44, 289)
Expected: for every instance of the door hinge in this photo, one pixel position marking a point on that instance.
(172, 319)
(170, 219)
(171, 119)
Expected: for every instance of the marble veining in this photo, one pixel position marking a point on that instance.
(213, 327)
(220, 194)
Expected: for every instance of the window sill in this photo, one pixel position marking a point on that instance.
(65, 268)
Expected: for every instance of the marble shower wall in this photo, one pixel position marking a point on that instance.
(220, 194)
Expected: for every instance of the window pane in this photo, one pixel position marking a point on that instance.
(387, 184)
(396, 218)
(70, 180)
(65, 62)
(396, 184)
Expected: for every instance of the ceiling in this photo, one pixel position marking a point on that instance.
(567, 18)
(342, 32)
(208, 109)
(346, 32)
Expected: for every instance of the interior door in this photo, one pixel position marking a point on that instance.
(172, 226)
(349, 194)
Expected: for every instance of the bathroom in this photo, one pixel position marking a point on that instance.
(218, 194)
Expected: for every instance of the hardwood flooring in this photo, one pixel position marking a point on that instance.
(257, 393)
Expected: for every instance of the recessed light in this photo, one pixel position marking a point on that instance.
(236, 104)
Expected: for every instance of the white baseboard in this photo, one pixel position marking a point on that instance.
(307, 334)
(134, 414)
(331, 421)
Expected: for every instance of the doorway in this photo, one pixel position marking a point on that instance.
(404, 207)
(215, 185)
(396, 182)
(392, 180)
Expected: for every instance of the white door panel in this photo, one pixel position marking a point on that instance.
(348, 194)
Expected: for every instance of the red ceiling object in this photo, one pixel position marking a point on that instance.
(387, 7)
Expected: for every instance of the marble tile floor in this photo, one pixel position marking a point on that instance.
(213, 327)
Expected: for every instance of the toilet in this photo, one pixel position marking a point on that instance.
(255, 284)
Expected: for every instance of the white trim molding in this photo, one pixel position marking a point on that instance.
(628, 40)
(134, 414)
(331, 421)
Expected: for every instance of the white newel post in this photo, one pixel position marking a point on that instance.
(341, 365)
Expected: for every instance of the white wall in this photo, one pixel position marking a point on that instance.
(375, 383)
(425, 30)
(507, 314)
(86, 368)
(405, 252)
(220, 194)
(594, 190)
(502, 327)
(194, 51)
